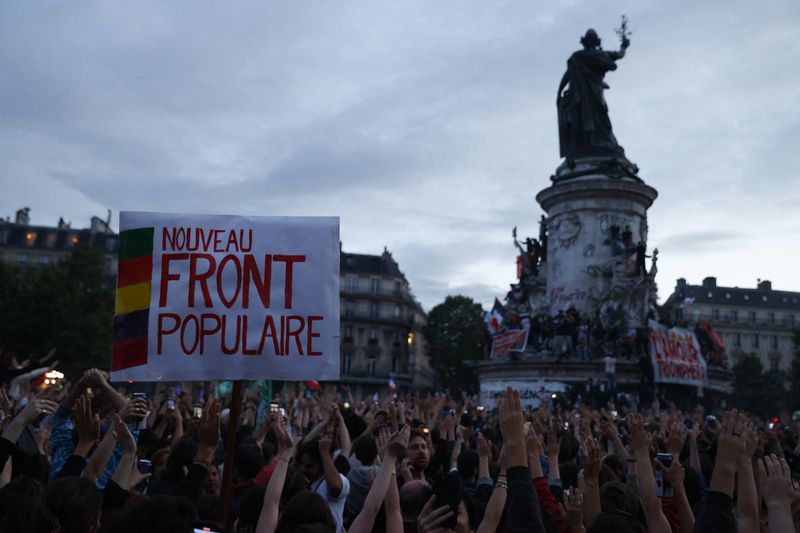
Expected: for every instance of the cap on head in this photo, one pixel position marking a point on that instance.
(590, 39)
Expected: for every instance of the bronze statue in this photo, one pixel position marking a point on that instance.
(583, 123)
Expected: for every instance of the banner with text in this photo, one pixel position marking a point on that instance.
(676, 356)
(213, 297)
(514, 339)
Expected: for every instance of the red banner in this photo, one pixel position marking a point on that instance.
(510, 340)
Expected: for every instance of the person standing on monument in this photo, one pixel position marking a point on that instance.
(611, 373)
(583, 122)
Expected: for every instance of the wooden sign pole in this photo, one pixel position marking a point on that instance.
(230, 453)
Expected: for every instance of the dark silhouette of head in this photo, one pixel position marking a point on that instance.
(306, 509)
(77, 503)
(590, 39)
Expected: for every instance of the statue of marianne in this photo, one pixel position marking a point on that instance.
(583, 124)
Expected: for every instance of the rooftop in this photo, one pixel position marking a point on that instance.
(709, 292)
(383, 264)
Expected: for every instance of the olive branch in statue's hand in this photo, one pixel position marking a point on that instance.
(624, 32)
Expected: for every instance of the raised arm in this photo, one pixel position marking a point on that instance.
(747, 502)
(774, 479)
(332, 477)
(126, 441)
(641, 440)
(377, 492)
(268, 518)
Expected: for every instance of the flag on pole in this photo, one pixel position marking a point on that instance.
(515, 339)
(494, 319)
(314, 385)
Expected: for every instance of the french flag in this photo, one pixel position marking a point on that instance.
(494, 319)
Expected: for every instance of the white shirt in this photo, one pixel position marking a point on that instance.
(610, 364)
(336, 504)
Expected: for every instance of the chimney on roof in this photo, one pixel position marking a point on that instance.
(764, 285)
(710, 282)
(680, 284)
(23, 217)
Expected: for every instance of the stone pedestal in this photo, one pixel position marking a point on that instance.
(584, 268)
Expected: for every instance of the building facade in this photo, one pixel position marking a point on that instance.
(28, 246)
(759, 321)
(381, 325)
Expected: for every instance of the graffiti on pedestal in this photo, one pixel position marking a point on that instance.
(565, 229)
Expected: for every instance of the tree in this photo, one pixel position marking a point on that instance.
(453, 334)
(68, 306)
(754, 389)
(792, 397)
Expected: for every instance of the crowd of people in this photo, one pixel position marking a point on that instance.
(91, 457)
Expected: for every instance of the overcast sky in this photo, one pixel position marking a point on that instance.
(427, 126)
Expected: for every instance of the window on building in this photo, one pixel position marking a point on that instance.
(376, 286)
(72, 240)
(374, 310)
(397, 289)
(773, 342)
(395, 364)
(30, 239)
(44, 259)
(4, 235)
(350, 284)
(752, 316)
(790, 318)
(373, 333)
(737, 339)
(347, 359)
(774, 365)
(754, 340)
(397, 311)
(371, 367)
(715, 314)
(734, 316)
(770, 318)
(349, 311)
(110, 245)
(50, 240)
(348, 332)
(23, 259)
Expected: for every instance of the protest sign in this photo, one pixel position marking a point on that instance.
(676, 356)
(212, 297)
(503, 343)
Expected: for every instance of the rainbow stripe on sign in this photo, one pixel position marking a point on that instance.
(132, 307)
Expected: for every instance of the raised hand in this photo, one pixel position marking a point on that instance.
(533, 442)
(775, 482)
(36, 408)
(676, 435)
(573, 508)
(135, 409)
(399, 442)
(430, 520)
(512, 426)
(640, 439)
(208, 430)
(282, 436)
(484, 448)
(591, 451)
(124, 437)
(86, 425)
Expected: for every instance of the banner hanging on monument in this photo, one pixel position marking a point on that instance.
(676, 357)
(213, 297)
(515, 339)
